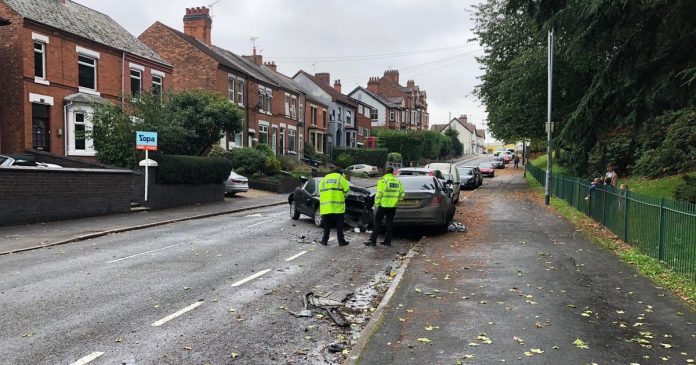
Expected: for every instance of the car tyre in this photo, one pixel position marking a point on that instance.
(294, 213)
(318, 221)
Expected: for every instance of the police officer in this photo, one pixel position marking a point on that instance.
(390, 192)
(333, 189)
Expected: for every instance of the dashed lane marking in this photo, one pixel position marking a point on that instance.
(176, 314)
(252, 277)
(295, 256)
(88, 358)
(256, 224)
(144, 253)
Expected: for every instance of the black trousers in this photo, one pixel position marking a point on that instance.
(381, 212)
(333, 220)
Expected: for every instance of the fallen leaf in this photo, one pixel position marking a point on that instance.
(424, 340)
(666, 345)
(537, 351)
(234, 355)
(580, 344)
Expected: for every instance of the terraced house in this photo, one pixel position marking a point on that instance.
(273, 104)
(58, 58)
(410, 105)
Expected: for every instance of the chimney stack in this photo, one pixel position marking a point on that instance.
(198, 23)
(410, 83)
(392, 75)
(373, 85)
(337, 85)
(463, 118)
(271, 65)
(323, 77)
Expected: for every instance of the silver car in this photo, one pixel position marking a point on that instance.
(236, 183)
(426, 202)
(449, 170)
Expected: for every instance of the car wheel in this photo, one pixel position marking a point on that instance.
(318, 221)
(294, 213)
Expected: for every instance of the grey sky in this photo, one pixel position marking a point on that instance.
(293, 32)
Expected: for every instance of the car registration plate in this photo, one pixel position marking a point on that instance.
(409, 203)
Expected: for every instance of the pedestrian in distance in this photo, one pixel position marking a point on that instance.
(516, 160)
(390, 192)
(611, 178)
(333, 189)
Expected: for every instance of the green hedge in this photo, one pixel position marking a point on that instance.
(194, 170)
(375, 157)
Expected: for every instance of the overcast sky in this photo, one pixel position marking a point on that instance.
(428, 41)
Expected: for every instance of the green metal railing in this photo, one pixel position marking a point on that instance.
(661, 228)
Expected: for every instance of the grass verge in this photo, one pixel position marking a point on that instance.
(661, 188)
(660, 273)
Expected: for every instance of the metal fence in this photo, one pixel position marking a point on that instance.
(661, 228)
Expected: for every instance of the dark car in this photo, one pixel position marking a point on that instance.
(305, 200)
(467, 178)
(487, 169)
(498, 162)
(477, 172)
(426, 203)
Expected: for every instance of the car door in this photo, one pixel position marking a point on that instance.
(304, 201)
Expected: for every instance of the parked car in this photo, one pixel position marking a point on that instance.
(359, 203)
(507, 156)
(362, 168)
(468, 177)
(20, 160)
(448, 169)
(419, 171)
(425, 202)
(497, 162)
(236, 183)
(487, 169)
(477, 172)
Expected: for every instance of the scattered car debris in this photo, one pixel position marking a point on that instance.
(335, 347)
(457, 227)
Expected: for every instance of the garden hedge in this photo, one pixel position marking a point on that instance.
(193, 170)
(375, 157)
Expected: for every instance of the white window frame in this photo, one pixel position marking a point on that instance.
(94, 68)
(159, 83)
(263, 129)
(292, 136)
(293, 107)
(269, 101)
(139, 77)
(231, 93)
(301, 115)
(287, 105)
(392, 115)
(314, 111)
(262, 99)
(43, 79)
(240, 92)
(87, 111)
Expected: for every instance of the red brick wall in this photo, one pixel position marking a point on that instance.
(365, 122)
(11, 111)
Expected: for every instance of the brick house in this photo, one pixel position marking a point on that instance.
(384, 113)
(363, 120)
(272, 104)
(413, 114)
(467, 133)
(342, 123)
(54, 69)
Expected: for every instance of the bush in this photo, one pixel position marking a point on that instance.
(255, 160)
(218, 152)
(687, 190)
(194, 170)
(289, 162)
(271, 166)
(394, 157)
(677, 151)
(375, 157)
(344, 160)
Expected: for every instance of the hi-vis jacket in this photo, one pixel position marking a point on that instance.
(333, 189)
(390, 192)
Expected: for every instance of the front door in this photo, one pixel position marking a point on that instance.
(40, 130)
(274, 139)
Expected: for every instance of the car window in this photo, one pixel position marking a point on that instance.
(310, 186)
(419, 183)
(485, 165)
(3, 159)
(467, 172)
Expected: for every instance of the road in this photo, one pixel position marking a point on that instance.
(213, 290)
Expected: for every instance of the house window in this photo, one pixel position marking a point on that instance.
(287, 105)
(391, 114)
(156, 85)
(339, 114)
(80, 129)
(262, 99)
(136, 81)
(314, 116)
(282, 140)
(323, 118)
(291, 139)
(263, 134)
(87, 72)
(238, 139)
(230, 88)
(40, 60)
(349, 117)
(301, 113)
(317, 141)
(269, 96)
(360, 131)
(374, 114)
(240, 92)
(293, 107)
(39, 127)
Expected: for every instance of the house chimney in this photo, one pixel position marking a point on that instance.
(323, 77)
(410, 83)
(463, 118)
(271, 65)
(337, 85)
(198, 23)
(392, 75)
(373, 85)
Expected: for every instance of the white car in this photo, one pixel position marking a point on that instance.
(236, 183)
(14, 160)
(362, 168)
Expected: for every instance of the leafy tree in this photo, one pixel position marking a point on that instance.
(457, 146)
(188, 123)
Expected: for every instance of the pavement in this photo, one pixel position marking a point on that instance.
(23, 237)
(524, 286)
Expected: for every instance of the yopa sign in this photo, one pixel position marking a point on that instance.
(146, 141)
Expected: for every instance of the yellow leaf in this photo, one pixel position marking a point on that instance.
(666, 345)
(234, 355)
(537, 351)
(580, 344)
(424, 340)
(429, 328)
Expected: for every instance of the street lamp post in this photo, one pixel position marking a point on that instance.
(549, 124)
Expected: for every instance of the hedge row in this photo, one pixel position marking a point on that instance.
(375, 157)
(194, 170)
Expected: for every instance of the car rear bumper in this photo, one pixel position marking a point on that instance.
(236, 188)
(429, 216)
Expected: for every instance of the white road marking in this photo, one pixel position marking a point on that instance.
(295, 256)
(252, 277)
(144, 253)
(88, 358)
(331, 239)
(176, 314)
(256, 224)
(253, 215)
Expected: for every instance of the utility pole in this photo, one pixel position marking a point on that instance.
(549, 123)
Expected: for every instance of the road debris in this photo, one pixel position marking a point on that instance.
(457, 227)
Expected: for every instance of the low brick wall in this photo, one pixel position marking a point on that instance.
(163, 196)
(37, 194)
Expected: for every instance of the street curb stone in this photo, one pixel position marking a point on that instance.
(141, 226)
(368, 331)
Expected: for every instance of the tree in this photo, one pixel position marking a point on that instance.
(457, 146)
(188, 123)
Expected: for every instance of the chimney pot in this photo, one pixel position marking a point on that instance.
(198, 23)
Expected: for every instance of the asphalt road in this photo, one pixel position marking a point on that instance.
(230, 279)
(523, 286)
